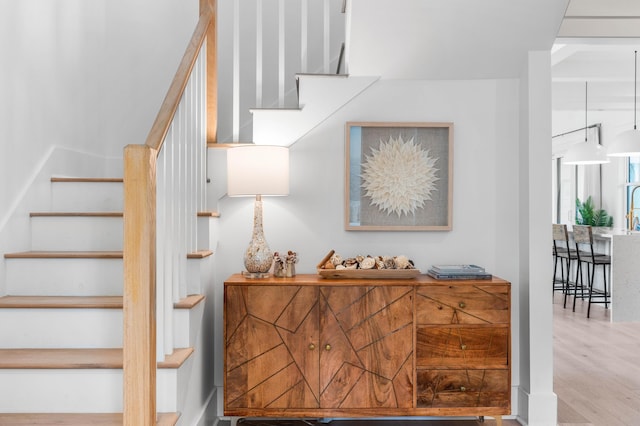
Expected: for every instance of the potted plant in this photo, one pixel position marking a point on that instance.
(587, 214)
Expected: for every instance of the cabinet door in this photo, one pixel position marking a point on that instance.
(271, 354)
(366, 347)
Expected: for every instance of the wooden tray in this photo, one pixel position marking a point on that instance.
(372, 274)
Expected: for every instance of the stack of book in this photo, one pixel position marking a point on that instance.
(458, 272)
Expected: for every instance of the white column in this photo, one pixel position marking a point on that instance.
(537, 402)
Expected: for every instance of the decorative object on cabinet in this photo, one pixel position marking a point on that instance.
(284, 265)
(399, 176)
(310, 347)
(627, 143)
(257, 170)
(333, 265)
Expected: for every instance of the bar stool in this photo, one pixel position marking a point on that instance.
(583, 236)
(564, 254)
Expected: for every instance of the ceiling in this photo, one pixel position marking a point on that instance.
(448, 39)
(596, 44)
(414, 39)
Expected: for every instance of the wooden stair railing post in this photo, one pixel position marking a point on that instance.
(139, 303)
(212, 70)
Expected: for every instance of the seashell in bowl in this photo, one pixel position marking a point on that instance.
(368, 263)
(402, 262)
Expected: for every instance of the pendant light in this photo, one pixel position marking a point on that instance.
(587, 152)
(627, 144)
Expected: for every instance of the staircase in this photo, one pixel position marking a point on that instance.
(61, 334)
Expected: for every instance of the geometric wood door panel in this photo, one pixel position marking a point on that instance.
(366, 347)
(269, 363)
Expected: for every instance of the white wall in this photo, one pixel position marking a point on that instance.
(310, 220)
(79, 80)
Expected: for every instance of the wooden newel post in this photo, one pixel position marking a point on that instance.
(139, 304)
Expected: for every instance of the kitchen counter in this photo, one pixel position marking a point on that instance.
(624, 248)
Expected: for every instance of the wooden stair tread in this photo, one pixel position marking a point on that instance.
(65, 255)
(86, 179)
(109, 302)
(102, 358)
(189, 301)
(208, 214)
(76, 214)
(200, 254)
(71, 419)
(103, 302)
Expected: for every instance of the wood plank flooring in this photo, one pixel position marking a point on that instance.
(596, 367)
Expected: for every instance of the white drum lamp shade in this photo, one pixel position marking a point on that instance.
(257, 170)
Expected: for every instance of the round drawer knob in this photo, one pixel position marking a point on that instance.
(311, 346)
(462, 305)
(462, 388)
(463, 347)
(327, 347)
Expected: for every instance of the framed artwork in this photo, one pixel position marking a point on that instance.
(399, 176)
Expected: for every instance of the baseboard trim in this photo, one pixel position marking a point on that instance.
(538, 409)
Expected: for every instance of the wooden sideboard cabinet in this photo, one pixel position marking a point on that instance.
(313, 347)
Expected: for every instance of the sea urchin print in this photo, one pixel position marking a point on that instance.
(399, 176)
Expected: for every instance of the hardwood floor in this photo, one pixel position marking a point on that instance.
(596, 367)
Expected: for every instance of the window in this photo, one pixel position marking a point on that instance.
(633, 204)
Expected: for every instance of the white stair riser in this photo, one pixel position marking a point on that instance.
(198, 272)
(207, 233)
(187, 323)
(61, 328)
(64, 277)
(77, 233)
(86, 196)
(76, 391)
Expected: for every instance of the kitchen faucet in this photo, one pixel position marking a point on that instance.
(630, 217)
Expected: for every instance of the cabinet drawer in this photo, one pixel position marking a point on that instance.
(463, 304)
(478, 347)
(463, 388)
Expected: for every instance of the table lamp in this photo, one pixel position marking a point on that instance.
(257, 170)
